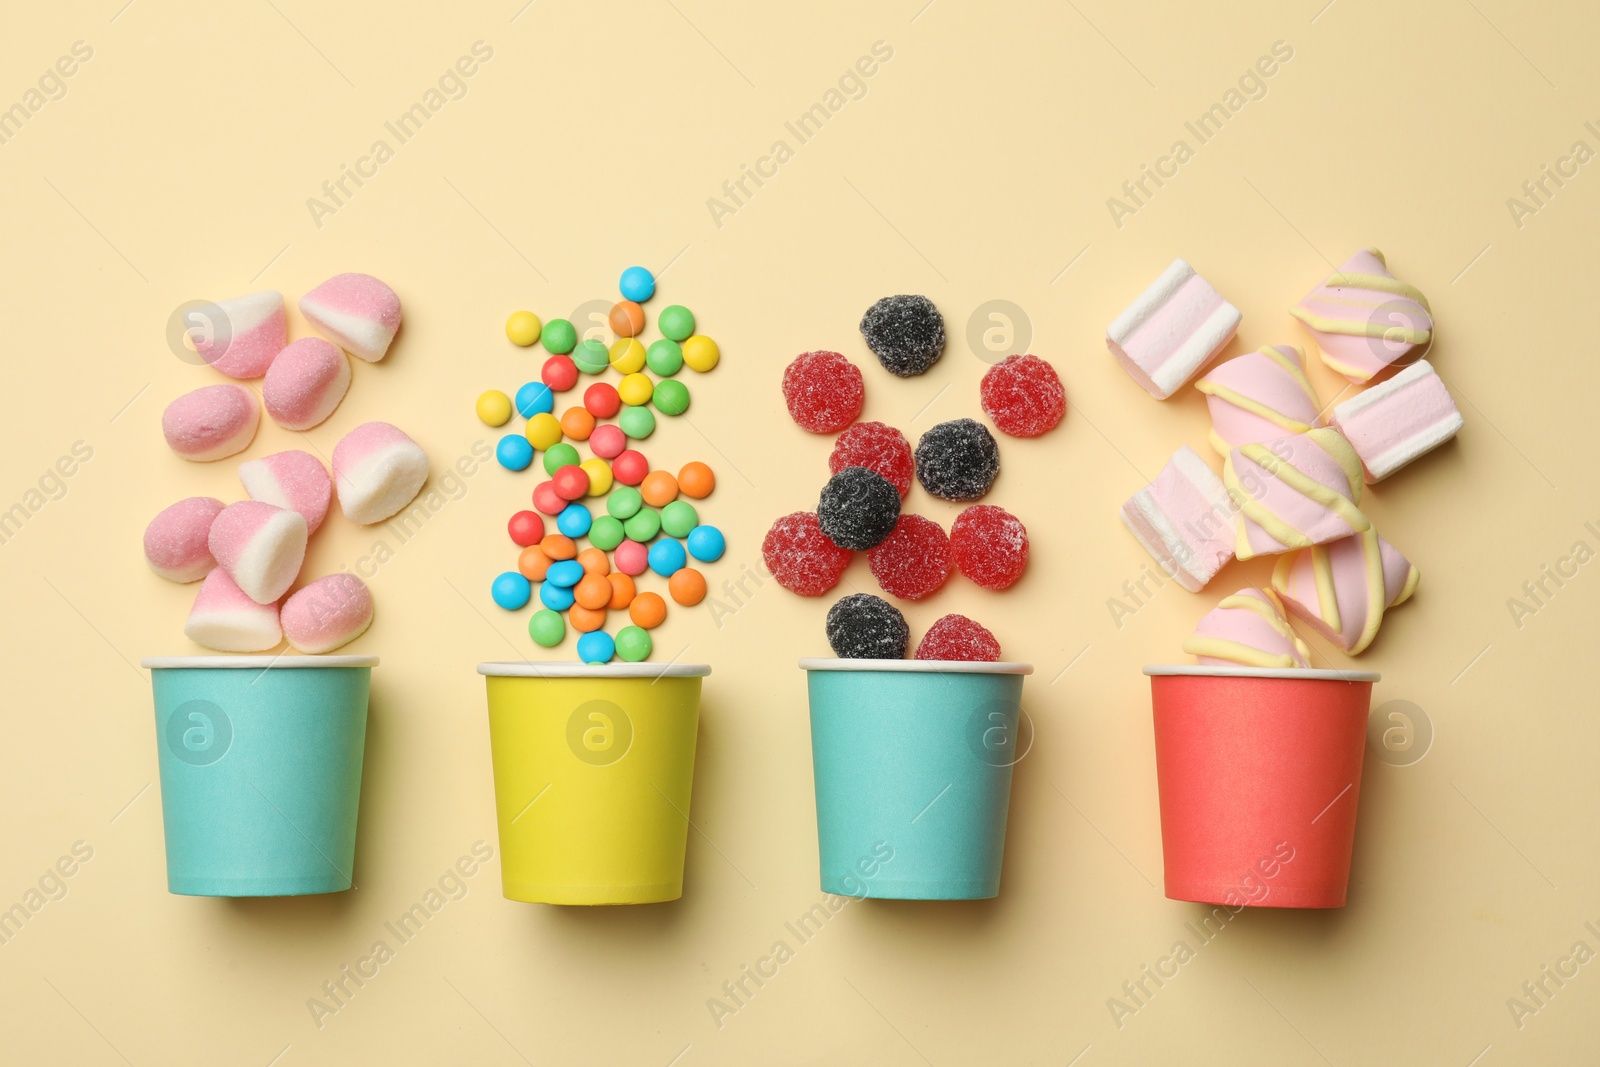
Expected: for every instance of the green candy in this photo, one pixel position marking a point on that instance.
(547, 628)
(671, 397)
(559, 337)
(675, 322)
(633, 644)
(624, 502)
(592, 356)
(678, 518)
(606, 533)
(643, 526)
(559, 455)
(664, 357)
(637, 422)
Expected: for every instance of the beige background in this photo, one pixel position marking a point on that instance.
(977, 165)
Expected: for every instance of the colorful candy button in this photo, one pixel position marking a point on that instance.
(671, 397)
(665, 357)
(523, 328)
(514, 452)
(606, 532)
(687, 586)
(608, 441)
(632, 558)
(494, 407)
(637, 422)
(601, 400)
(634, 389)
(630, 467)
(701, 353)
(577, 423)
(599, 472)
(637, 284)
(659, 488)
(624, 502)
(558, 456)
(667, 557)
(533, 398)
(706, 544)
(676, 322)
(591, 356)
(633, 644)
(555, 597)
(526, 528)
(678, 518)
(628, 356)
(511, 590)
(574, 520)
(543, 430)
(648, 610)
(596, 647)
(546, 628)
(559, 337)
(564, 573)
(643, 526)
(626, 319)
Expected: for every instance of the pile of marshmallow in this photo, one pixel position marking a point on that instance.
(250, 552)
(1291, 479)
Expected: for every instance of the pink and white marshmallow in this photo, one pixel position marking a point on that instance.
(1259, 396)
(260, 546)
(1247, 629)
(327, 613)
(224, 619)
(1172, 330)
(1295, 492)
(249, 333)
(212, 422)
(175, 541)
(294, 480)
(1364, 319)
(356, 311)
(1342, 589)
(377, 470)
(1391, 424)
(305, 383)
(1184, 519)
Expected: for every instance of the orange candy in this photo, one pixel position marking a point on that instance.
(558, 546)
(577, 423)
(622, 590)
(586, 620)
(594, 562)
(593, 592)
(533, 562)
(659, 489)
(627, 319)
(696, 480)
(687, 586)
(648, 610)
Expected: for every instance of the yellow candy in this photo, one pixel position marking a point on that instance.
(599, 472)
(701, 353)
(635, 389)
(543, 430)
(494, 408)
(627, 355)
(523, 327)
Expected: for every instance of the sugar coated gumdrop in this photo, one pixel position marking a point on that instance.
(990, 546)
(824, 391)
(862, 626)
(906, 333)
(1023, 395)
(914, 560)
(876, 447)
(959, 638)
(295, 480)
(328, 613)
(858, 508)
(801, 557)
(357, 312)
(958, 460)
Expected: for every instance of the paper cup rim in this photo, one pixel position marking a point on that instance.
(253, 662)
(1310, 674)
(918, 666)
(574, 669)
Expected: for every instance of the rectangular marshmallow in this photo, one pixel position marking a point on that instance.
(1392, 424)
(1172, 330)
(1184, 519)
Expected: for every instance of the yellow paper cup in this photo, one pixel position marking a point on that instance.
(593, 767)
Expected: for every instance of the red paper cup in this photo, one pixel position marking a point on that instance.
(1259, 772)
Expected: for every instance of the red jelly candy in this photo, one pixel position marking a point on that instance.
(801, 557)
(547, 500)
(601, 400)
(824, 391)
(990, 546)
(559, 373)
(876, 447)
(958, 637)
(914, 560)
(526, 528)
(1023, 395)
(630, 467)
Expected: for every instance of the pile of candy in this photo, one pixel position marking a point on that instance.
(1292, 480)
(861, 507)
(250, 552)
(580, 586)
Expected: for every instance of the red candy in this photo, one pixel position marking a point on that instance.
(601, 400)
(914, 560)
(630, 467)
(958, 637)
(571, 482)
(526, 528)
(824, 391)
(801, 557)
(547, 500)
(559, 373)
(608, 441)
(878, 448)
(990, 546)
(1023, 395)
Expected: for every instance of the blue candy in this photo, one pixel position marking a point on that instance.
(667, 557)
(596, 647)
(565, 573)
(511, 590)
(574, 520)
(555, 597)
(637, 284)
(707, 544)
(535, 398)
(514, 452)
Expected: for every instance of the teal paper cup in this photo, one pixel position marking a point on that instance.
(913, 766)
(260, 760)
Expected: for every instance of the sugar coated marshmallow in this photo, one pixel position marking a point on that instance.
(224, 619)
(212, 422)
(1259, 396)
(1246, 629)
(1363, 318)
(175, 541)
(327, 613)
(357, 312)
(1184, 519)
(1342, 589)
(293, 480)
(305, 383)
(260, 546)
(250, 332)
(1390, 425)
(1295, 492)
(377, 470)
(1172, 330)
